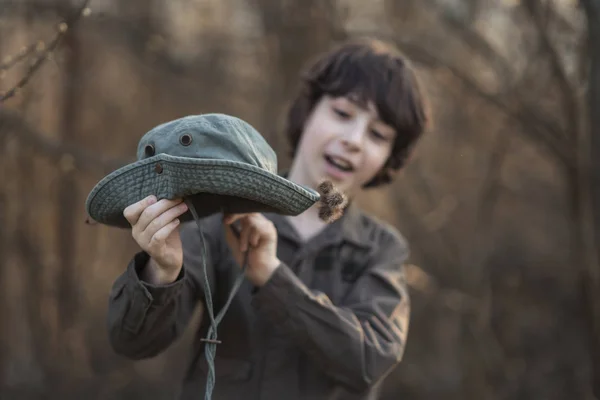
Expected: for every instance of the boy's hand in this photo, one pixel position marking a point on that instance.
(154, 228)
(258, 237)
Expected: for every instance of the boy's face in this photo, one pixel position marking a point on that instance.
(343, 142)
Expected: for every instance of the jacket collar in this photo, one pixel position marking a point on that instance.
(353, 228)
(349, 228)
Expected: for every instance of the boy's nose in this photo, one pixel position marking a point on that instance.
(354, 138)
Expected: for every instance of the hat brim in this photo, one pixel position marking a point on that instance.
(213, 185)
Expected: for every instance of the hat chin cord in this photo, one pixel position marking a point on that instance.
(331, 207)
(211, 336)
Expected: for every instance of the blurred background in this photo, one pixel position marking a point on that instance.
(500, 203)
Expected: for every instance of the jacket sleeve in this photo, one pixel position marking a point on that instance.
(358, 342)
(144, 319)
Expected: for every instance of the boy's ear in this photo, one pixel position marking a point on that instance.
(410, 156)
(381, 178)
(394, 173)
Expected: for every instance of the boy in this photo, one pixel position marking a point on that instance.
(324, 311)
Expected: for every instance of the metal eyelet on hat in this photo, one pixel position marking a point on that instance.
(185, 139)
(149, 150)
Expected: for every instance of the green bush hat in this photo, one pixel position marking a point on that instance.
(218, 162)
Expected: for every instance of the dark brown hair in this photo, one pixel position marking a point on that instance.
(370, 70)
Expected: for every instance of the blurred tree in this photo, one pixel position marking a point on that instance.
(293, 32)
(518, 59)
(590, 151)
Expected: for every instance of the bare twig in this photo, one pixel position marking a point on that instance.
(473, 39)
(18, 7)
(567, 92)
(35, 66)
(11, 61)
(537, 128)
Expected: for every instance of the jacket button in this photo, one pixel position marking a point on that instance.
(158, 168)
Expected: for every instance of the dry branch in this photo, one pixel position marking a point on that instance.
(539, 130)
(534, 8)
(11, 61)
(45, 54)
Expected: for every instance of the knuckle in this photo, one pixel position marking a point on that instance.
(173, 212)
(128, 213)
(136, 234)
(153, 225)
(154, 241)
(158, 237)
(142, 241)
(147, 212)
(266, 224)
(150, 241)
(142, 217)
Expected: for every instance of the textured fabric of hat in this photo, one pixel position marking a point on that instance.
(218, 162)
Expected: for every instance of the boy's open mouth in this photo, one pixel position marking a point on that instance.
(339, 163)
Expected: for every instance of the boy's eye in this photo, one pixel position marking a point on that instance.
(341, 113)
(378, 135)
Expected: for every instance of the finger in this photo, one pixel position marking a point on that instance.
(235, 228)
(163, 233)
(231, 218)
(254, 237)
(263, 225)
(164, 219)
(245, 234)
(133, 211)
(153, 211)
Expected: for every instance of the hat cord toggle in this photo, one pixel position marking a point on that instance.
(211, 337)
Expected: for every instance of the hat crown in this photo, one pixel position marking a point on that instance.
(209, 136)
